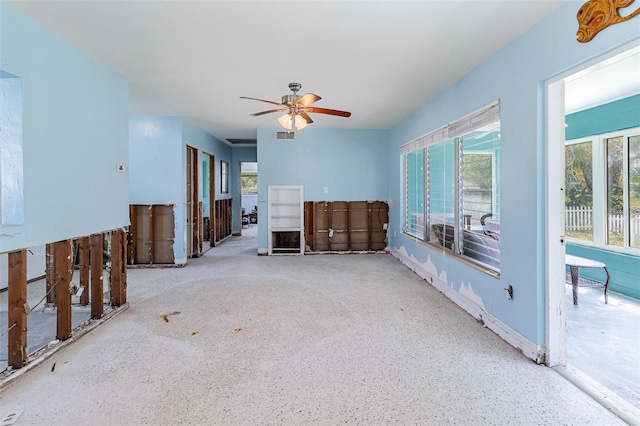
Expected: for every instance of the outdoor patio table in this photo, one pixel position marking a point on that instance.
(575, 263)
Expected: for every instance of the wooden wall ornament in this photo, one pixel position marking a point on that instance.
(596, 15)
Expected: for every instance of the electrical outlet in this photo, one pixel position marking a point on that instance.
(326, 189)
(509, 292)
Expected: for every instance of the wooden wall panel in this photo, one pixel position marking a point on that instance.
(359, 225)
(163, 226)
(321, 222)
(153, 229)
(222, 219)
(339, 238)
(346, 226)
(141, 224)
(379, 212)
(308, 225)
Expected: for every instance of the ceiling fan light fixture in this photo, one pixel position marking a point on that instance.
(286, 121)
(298, 108)
(300, 122)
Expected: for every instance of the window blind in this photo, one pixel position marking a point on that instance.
(474, 120)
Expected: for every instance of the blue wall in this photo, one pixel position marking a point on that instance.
(618, 115)
(154, 146)
(515, 75)
(157, 148)
(75, 134)
(351, 164)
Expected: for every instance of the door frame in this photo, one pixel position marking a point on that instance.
(554, 245)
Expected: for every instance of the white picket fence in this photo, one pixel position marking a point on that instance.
(581, 219)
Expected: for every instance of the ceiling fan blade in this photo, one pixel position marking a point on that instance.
(306, 117)
(261, 100)
(267, 112)
(329, 111)
(308, 99)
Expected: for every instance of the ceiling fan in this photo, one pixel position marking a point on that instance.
(296, 108)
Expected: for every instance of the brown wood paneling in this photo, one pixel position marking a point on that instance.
(153, 228)
(359, 225)
(354, 225)
(163, 226)
(141, 222)
(308, 225)
(222, 219)
(17, 295)
(321, 226)
(340, 225)
(379, 212)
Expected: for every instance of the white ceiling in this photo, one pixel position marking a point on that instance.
(610, 80)
(379, 60)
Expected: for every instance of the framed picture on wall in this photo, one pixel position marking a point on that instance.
(224, 177)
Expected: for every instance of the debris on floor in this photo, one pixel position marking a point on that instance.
(166, 316)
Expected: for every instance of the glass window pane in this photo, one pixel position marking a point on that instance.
(634, 191)
(441, 192)
(480, 186)
(414, 213)
(615, 195)
(579, 191)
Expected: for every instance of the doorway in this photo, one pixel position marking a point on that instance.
(249, 195)
(194, 206)
(208, 198)
(578, 167)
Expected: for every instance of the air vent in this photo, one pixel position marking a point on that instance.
(289, 136)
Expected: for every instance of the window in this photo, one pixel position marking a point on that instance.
(633, 166)
(578, 159)
(602, 200)
(414, 186)
(452, 187)
(224, 177)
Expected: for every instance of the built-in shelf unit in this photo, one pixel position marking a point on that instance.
(286, 219)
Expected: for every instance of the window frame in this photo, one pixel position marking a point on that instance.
(453, 132)
(599, 210)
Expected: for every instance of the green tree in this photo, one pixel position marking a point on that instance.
(579, 175)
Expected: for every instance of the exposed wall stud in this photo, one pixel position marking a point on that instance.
(17, 294)
(83, 256)
(62, 277)
(118, 275)
(50, 274)
(96, 253)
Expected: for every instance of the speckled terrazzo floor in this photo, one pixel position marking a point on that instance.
(294, 340)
